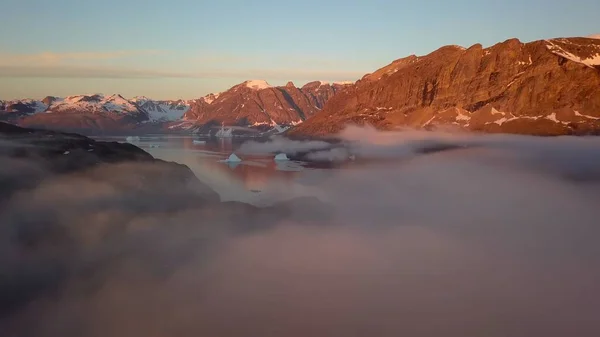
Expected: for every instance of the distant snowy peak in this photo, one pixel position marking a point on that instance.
(326, 83)
(94, 103)
(141, 106)
(83, 98)
(257, 84)
(118, 104)
(344, 82)
(141, 99)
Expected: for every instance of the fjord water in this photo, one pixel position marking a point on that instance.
(258, 179)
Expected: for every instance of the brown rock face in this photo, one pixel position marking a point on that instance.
(256, 103)
(49, 100)
(543, 87)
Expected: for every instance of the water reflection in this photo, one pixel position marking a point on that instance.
(256, 179)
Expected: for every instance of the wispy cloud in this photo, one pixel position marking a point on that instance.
(208, 66)
(64, 71)
(54, 58)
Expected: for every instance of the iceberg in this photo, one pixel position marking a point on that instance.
(233, 159)
(224, 132)
(281, 157)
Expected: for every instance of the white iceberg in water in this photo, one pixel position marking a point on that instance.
(233, 159)
(281, 157)
(224, 132)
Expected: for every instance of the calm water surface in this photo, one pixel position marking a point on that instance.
(258, 179)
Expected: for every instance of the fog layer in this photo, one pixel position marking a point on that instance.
(424, 234)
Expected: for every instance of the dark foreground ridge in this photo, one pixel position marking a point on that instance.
(37, 154)
(70, 205)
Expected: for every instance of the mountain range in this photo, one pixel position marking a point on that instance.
(253, 103)
(545, 87)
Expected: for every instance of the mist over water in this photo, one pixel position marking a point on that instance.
(425, 234)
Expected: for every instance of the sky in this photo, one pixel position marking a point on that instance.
(189, 48)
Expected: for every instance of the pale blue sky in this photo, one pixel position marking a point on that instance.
(188, 48)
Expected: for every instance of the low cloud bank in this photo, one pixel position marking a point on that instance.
(483, 235)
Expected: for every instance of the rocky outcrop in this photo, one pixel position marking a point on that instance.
(255, 103)
(544, 87)
(30, 156)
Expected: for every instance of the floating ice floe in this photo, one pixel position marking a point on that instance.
(281, 157)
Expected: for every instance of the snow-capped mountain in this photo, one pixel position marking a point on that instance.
(82, 113)
(253, 103)
(79, 103)
(93, 103)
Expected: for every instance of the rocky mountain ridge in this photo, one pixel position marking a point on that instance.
(546, 87)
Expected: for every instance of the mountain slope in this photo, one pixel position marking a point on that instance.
(255, 102)
(542, 87)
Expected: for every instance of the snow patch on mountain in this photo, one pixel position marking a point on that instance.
(257, 84)
(208, 99)
(591, 60)
(141, 99)
(577, 113)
